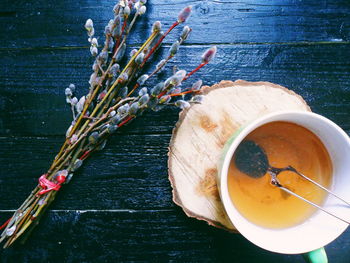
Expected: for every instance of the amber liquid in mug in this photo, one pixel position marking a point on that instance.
(268, 206)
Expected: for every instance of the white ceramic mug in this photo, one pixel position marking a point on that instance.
(321, 228)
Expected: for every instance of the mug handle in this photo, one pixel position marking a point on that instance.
(316, 256)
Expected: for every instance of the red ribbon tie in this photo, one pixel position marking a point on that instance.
(47, 185)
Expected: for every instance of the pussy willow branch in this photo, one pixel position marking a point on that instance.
(28, 219)
(90, 131)
(64, 158)
(92, 97)
(115, 84)
(96, 89)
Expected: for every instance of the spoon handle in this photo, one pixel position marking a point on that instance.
(309, 202)
(292, 169)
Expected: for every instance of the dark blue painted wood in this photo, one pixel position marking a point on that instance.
(58, 23)
(303, 45)
(146, 236)
(32, 93)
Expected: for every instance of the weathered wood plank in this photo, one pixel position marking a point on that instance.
(147, 236)
(32, 82)
(60, 23)
(129, 174)
(132, 174)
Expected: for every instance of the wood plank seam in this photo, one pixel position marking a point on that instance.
(135, 45)
(100, 210)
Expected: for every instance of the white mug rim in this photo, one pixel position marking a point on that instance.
(233, 213)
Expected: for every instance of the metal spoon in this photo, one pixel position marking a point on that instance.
(252, 160)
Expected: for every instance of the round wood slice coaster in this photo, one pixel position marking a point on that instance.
(201, 133)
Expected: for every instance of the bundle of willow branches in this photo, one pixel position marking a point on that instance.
(116, 96)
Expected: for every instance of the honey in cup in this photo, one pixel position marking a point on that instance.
(268, 206)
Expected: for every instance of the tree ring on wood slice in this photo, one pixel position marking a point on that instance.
(201, 132)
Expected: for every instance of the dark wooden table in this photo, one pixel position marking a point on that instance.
(119, 206)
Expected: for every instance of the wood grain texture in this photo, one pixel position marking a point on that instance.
(33, 82)
(200, 135)
(129, 174)
(144, 236)
(303, 45)
(58, 23)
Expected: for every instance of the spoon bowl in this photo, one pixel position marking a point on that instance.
(251, 159)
